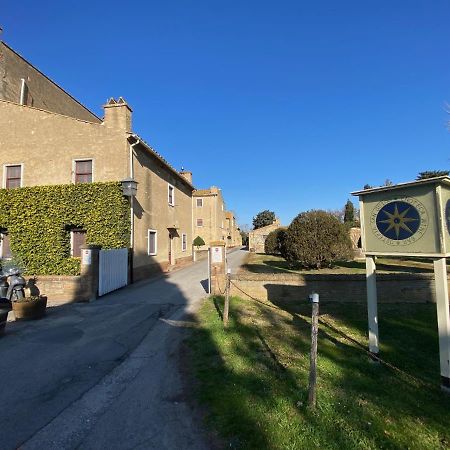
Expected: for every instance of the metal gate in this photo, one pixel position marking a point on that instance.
(113, 270)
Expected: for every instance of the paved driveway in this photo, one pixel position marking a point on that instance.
(105, 374)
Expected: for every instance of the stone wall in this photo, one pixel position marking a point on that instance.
(257, 238)
(62, 289)
(392, 288)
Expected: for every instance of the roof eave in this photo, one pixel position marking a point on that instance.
(161, 159)
(444, 179)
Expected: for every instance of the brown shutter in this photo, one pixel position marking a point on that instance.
(78, 241)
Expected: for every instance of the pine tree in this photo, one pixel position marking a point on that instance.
(349, 215)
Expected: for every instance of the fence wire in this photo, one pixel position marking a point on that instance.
(353, 341)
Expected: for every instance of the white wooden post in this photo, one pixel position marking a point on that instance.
(372, 310)
(443, 317)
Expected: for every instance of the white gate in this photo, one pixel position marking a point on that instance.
(113, 270)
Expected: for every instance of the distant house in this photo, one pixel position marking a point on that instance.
(233, 233)
(49, 138)
(209, 214)
(257, 238)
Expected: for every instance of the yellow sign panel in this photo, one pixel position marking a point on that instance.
(410, 219)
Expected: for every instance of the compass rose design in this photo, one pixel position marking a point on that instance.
(398, 220)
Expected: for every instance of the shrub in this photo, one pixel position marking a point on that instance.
(38, 220)
(275, 242)
(198, 241)
(315, 239)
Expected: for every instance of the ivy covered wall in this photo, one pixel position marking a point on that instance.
(38, 220)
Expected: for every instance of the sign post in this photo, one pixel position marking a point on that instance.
(409, 219)
(217, 267)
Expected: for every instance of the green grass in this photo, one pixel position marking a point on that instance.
(253, 377)
(262, 263)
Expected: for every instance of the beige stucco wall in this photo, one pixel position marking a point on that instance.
(213, 214)
(234, 237)
(153, 212)
(47, 143)
(44, 92)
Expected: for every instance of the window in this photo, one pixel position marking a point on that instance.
(77, 240)
(199, 203)
(199, 222)
(13, 176)
(152, 248)
(5, 249)
(183, 242)
(83, 171)
(171, 195)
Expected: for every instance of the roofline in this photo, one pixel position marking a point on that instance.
(49, 79)
(160, 159)
(444, 179)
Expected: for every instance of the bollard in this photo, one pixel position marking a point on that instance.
(226, 307)
(314, 298)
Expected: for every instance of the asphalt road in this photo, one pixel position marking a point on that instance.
(104, 375)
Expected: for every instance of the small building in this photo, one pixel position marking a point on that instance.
(257, 238)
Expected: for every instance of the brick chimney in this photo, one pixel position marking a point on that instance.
(117, 114)
(187, 175)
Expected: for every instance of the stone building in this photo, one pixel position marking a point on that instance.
(48, 138)
(233, 233)
(209, 215)
(257, 238)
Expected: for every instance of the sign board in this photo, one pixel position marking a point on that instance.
(86, 257)
(411, 219)
(216, 255)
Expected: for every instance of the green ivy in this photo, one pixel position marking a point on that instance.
(38, 220)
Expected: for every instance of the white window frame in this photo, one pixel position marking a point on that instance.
(2, 235)
(183, 242)
(12, 165)
(196, 222)
(170, 186)
(155, 232)
(74, 161)
(201, 203)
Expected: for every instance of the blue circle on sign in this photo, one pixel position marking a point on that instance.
(398, 220)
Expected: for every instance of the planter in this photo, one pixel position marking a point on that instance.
(30, 309)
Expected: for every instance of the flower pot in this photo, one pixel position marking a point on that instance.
(30, 309)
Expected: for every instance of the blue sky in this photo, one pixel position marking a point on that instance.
(285, 105)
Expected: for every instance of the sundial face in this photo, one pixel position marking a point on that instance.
(399, 222)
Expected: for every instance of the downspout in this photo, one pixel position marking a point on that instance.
(132, 208)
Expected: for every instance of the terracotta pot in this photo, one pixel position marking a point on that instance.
(30, 310)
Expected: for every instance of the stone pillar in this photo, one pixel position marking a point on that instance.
(217, 267)
(89, 272)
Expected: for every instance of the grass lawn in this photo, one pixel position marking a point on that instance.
(253, 378)
(262, 263)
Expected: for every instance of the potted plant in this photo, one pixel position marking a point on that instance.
(30, 308)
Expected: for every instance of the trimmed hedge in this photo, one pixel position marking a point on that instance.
(39, 219)
(315, 239)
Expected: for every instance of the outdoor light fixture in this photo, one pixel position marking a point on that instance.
(129, 187)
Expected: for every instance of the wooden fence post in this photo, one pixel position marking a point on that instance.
(226, 307)
(314, 297)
